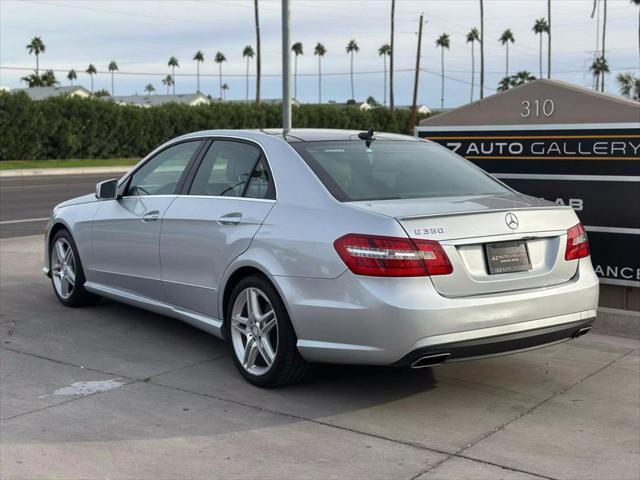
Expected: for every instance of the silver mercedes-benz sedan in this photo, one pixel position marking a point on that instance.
(327, 246)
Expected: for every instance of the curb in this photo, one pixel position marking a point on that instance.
(33, 172)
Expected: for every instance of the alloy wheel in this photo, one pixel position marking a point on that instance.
(63, 268)
(254, 331)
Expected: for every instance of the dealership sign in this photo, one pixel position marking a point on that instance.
(594, 168)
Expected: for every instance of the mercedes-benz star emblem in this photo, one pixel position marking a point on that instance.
(511, 220)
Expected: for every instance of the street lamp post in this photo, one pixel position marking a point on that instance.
(286, 68)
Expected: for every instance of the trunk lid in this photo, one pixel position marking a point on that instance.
(465, 225)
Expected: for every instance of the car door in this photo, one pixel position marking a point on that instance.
(213, 222)
(126, 231)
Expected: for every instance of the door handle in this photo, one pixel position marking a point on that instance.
(233, 218)
(151, 216)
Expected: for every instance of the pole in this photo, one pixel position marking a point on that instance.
(258, 51)
(481, 49)
(415, 82)
(549, 40)
(392, 55)
(286, 68)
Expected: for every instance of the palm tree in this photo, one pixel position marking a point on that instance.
(71, 76)
(504, 84)
(521, 78)
(481, 49)
(472, 37)
(113, 67)
(258, 54)
(36, 46)
(320, 51)
(173, 63)
(391, 54)
(297, 49)
(351, 48)
(604, 33)
(549, 40)
(32, 80)
(599, 67)
(91, 70)
(198, 58)
(442, 42)
(168, 81)
(248, 53)
(629, 85)
(219, 59)
(225, 87)
(637, 3)
(149, 88)
(384, 51)
(505, 39)
(516, 80)
(540, 27)
(48, 79)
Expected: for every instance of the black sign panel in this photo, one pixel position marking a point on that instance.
(594, 169)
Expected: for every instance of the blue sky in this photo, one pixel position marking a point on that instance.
(141, 36)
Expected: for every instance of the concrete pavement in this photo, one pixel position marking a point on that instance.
(27, 201)
(167, 403)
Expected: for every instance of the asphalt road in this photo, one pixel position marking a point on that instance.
(111, 391)
(26, 201)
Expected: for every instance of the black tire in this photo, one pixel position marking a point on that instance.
(79, 297)
(288, 367)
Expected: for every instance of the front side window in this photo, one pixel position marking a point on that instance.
(232, 169)
(393, 170)
(161, 174)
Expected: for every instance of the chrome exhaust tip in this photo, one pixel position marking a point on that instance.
(581, 332)
(430, 360)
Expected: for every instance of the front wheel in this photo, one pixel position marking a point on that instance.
(67, 275)
(262, 336)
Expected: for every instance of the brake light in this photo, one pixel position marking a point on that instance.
(577, 243)
(392, 256)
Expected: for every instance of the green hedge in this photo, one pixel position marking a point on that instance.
(68, 127)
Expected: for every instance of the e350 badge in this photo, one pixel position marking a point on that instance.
(428, 230)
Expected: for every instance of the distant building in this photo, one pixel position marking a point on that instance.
(191, 99)
(41, 93)
(359, 105)
(419, 108)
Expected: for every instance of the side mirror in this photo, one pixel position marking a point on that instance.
(107, 190)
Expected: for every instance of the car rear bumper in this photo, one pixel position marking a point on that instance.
(383, 321)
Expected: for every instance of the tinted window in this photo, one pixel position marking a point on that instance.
(260, 183)
(394, 169)
(227, 168)
(160, 175)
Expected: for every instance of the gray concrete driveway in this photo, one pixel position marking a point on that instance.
(115, 392)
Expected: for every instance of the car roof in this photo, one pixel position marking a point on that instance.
(297, 135)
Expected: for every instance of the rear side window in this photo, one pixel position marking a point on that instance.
(233, 169)
(394, 170)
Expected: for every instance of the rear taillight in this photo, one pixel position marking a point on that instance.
(392, 256)
(577, 243)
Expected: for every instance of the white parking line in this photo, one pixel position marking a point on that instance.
(24, 220)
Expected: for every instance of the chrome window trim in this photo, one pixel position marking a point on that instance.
(227, 197)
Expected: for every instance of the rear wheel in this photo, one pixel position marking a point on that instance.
(67, 275)
(262, 336)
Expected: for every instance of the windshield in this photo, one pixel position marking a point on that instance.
(394, 170)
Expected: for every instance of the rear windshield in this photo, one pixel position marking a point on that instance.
(394, 170)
